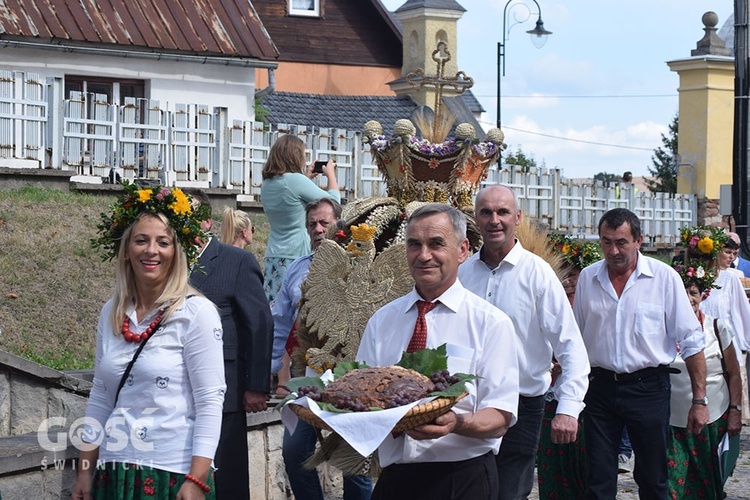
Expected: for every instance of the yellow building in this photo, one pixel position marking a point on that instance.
(706, 119)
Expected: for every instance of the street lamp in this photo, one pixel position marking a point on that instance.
(538, 38)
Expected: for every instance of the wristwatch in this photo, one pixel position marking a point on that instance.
(701, 401)
(736, 407)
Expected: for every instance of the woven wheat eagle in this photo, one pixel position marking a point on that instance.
(343, 289)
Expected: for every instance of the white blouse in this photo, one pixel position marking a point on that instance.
(169, 408)
(730, 304)
(716, 387)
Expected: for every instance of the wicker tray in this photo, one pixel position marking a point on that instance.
(418, 415)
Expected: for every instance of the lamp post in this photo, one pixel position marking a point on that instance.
(538, 38)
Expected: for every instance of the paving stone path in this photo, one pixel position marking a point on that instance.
(737, 487)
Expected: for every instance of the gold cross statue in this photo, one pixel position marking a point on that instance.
(460, 82)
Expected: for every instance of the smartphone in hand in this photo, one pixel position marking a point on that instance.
(318, 167)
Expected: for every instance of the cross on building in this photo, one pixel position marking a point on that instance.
(459, 82)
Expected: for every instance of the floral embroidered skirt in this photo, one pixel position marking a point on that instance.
(562, 469)
(274, 270)
(118, 481)
(693, 462)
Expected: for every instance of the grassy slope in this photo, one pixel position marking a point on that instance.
(52, 284)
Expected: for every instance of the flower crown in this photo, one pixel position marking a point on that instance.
(172, 202)
(693, 272)
(703, 241)
(574, 252)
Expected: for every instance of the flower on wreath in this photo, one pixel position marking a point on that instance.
(703, 241)
(382, 144)
(485, 148)
(172, 202)
(575, 252)
(694, 273)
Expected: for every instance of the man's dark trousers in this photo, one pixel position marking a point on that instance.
(643, 406)
(517, 457)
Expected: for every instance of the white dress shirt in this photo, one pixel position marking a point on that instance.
(480, 341)
(170, 406)
(526, 288)
(730, 304)
(642, 327)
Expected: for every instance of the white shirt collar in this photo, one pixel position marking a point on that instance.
(451, 298)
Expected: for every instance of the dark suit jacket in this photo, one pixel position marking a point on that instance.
(231, 278)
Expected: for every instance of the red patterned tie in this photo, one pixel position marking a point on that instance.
(419, 337)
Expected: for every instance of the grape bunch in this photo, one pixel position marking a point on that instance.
(311, 391)
(403, 397)
(443, 379)
(347, 403)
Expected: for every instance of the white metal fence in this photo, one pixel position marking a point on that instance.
(575, 207)
(23, 116)
(193, 145)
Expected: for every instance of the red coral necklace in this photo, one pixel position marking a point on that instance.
(129, 336)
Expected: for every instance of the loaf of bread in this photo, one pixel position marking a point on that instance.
(379, 387)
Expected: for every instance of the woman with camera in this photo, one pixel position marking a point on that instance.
(287, 187)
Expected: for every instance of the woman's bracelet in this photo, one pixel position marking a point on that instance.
(203, 486)
(736, 407)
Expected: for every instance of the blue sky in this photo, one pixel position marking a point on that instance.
(602, 77)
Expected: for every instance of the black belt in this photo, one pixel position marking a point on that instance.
(629, 377)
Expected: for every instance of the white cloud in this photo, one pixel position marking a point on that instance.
(585, 152)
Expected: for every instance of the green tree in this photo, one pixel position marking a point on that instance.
(607, 178)
(261, 112)
(521, 159)
(664, 162)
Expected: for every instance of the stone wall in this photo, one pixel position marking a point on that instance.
(44, 467)
(16, 178)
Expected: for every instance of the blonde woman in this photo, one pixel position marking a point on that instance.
(158, 378)
(236, 228)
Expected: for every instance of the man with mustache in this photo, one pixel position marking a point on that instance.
(452, 456)
(633, 314)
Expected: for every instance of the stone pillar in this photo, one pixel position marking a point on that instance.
(706, 117)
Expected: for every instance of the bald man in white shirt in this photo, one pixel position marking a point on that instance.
(527, 289)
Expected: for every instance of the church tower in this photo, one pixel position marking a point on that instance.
(425, 23)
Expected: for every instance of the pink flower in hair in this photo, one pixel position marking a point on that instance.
(162, 194)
